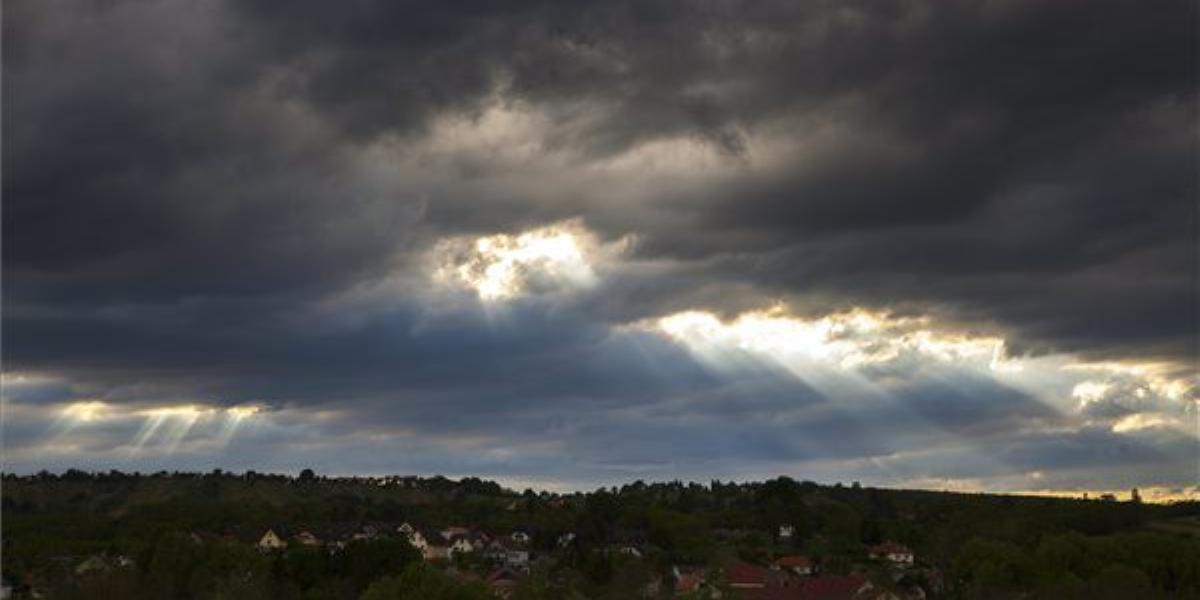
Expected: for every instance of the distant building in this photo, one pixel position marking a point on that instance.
(436, 552)
(892, 552)
(454, 531)
(417, 539)
(502, 582)
(743, 576)
(271, 541)
(786, 531)
(307, 538)
(800, 565)
(508, 552)
(461, 545)
(93, 564)
(688, 579)
(431, 544)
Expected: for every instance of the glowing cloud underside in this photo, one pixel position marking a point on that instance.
(165, 429)
(848, 340)
(874, 349)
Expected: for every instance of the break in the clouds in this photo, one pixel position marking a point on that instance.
(562, 244)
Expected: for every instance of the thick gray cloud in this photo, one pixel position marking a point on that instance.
(227, 203)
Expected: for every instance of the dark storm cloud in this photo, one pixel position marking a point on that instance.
(191, 190)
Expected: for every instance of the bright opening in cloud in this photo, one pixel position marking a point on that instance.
(556, 257)
(84, 412)
(163, 428)
(856, 338)
(1089, 391)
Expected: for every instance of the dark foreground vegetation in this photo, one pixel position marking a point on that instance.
(224, 535)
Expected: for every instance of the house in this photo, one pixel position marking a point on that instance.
(800, 565)
(565, 539)
(307, 538)
(502, 582)
(688, 579)
(436, 552)
(461, 545)
(509, 553)
(753, 582)
(431, 544)
(478, 539)
(454, 531)
(93, 564)
(520, 537)
(416, 538)
(786, 531)
(742, 575)
(271, 541)
(897, 554)
(405, 529)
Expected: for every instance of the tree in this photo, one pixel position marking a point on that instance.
(421, 582)
(684, 537)
(364, 562)
(307, 476)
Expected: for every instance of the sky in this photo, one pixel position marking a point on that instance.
(942, 245)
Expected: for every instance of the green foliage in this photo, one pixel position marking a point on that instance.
(985, 546)
(421, 582)
(1071, 565)
(685, 538)
(364, 562)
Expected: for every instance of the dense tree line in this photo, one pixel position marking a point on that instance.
(981, 545)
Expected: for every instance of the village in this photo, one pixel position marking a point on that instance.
(222, 535)
(502, 560)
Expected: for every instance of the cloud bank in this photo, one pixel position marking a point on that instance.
(907, 243)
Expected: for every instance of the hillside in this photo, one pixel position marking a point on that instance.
(192, 535)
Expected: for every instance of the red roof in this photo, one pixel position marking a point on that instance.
(889, 548)
(831, 587)
(794, 561)
(689, 582)
(740, 573)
